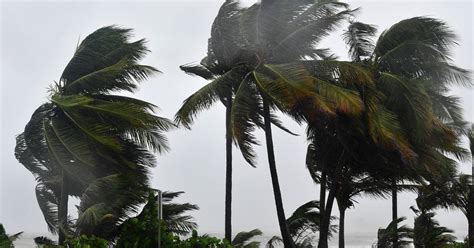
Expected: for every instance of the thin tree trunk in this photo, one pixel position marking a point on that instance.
(470, 205)
(394, 211)
(470, 217)
(228, 172)
(342, 216)
(62, 211)
(470, 213)
(324, 229)
(322, 194)
(285, 233)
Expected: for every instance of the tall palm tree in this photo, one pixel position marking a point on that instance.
(414, 71)
(218, 66)
(85, 141)
(351, 186)
(272, 34)
(278, 36)
(356, 178)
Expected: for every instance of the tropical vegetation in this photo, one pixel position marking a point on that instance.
(382, 122)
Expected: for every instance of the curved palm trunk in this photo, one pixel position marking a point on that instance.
(285, 233)
(394, 210)
(62, 211)
(228, 172)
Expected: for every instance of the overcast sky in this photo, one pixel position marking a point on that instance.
(38, 39)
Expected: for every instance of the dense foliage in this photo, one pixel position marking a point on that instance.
(6, 241)
(382, 122)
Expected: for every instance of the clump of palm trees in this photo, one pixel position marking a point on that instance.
(378, 124)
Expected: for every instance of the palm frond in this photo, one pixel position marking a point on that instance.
(425, 29)
(197, 70)
(205, 97)
(274, 242)
(359, 37)
(101, 49)
(245, 119)
(243, 239)
(48, 203)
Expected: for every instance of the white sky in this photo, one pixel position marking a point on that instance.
(38, 39)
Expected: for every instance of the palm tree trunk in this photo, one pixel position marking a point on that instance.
(324, 229)
(62, 211)
(228, 172)
(394, 210)
(470, 216)
(470, 203)
(285, 233)
(470, 219)
(342, 216)
(322, 194)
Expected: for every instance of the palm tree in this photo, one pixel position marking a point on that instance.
(303, 224)
(385, 235)
(175, 215)
(277, 36)
(356, 177)
(85, 141)
(470, 206)
(337, 142)
(272, 34)
(223, 55)
(413, 68)
(351, 186)
(140, 231)
(428, 233)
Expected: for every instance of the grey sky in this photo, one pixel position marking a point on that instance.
(38, 39)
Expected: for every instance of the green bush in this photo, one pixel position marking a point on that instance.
(196, 241)
(5, 241)
(457, 245)
(84, 241)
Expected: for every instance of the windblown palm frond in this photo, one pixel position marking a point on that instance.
(106, 61)
(273, 242)
(243, 239)
(108, 201)
(385, 236)
(359, 37)
(305, 222)
(175, 214)
(428, 233)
